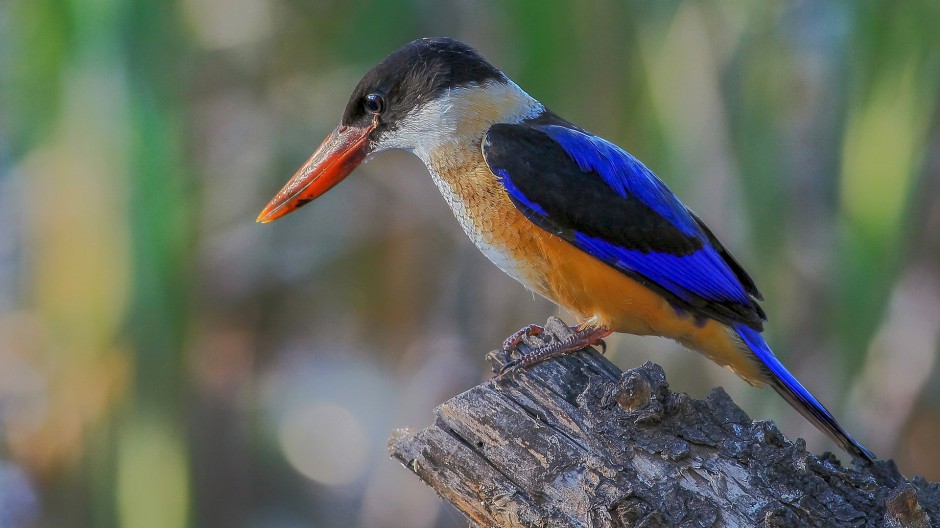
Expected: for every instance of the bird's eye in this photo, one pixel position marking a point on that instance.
(374, 103)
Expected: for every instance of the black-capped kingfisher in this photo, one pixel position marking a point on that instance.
(568, 214)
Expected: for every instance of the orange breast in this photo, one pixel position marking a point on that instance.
(567, 276)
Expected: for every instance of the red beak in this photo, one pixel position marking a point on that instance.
(339, 154)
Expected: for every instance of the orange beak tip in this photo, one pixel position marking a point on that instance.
(264, 217)
(341, 152)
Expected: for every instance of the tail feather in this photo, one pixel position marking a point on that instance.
(787, 386)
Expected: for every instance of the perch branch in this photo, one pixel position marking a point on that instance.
(576, 442)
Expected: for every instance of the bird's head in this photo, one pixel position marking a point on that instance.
(429, 93)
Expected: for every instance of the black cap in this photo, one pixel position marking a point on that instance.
(415, 74)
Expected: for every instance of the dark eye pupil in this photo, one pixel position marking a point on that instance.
(375, 103)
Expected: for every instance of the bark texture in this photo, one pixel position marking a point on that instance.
(574, 441)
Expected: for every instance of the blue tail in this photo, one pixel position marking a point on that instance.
(800, 398)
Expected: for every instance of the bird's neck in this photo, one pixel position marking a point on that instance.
(456, 121)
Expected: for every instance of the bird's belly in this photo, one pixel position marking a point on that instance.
(487, 226)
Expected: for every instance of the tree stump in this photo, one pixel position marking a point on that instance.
(576, 442)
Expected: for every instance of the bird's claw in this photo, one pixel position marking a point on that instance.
(516, 338)
(590, 336)
(511, 344)
(508, 368)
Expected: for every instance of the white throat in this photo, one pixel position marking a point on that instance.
(460, 116)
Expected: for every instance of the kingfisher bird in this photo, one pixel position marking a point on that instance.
(570, 215)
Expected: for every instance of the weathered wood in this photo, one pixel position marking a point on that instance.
(575, 442)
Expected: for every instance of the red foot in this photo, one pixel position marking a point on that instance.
(589, 336)
(513, 341)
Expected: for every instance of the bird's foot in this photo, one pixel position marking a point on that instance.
(513, 341)
(581, 338)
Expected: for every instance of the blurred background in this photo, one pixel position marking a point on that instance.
(166, 362)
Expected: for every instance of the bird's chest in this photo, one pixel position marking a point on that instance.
(545, 263)
(485, 212)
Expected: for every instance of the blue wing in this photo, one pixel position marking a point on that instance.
(604, 201)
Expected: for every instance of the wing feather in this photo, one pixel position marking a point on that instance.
(598, 197)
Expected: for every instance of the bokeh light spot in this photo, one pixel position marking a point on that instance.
(325, 442)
